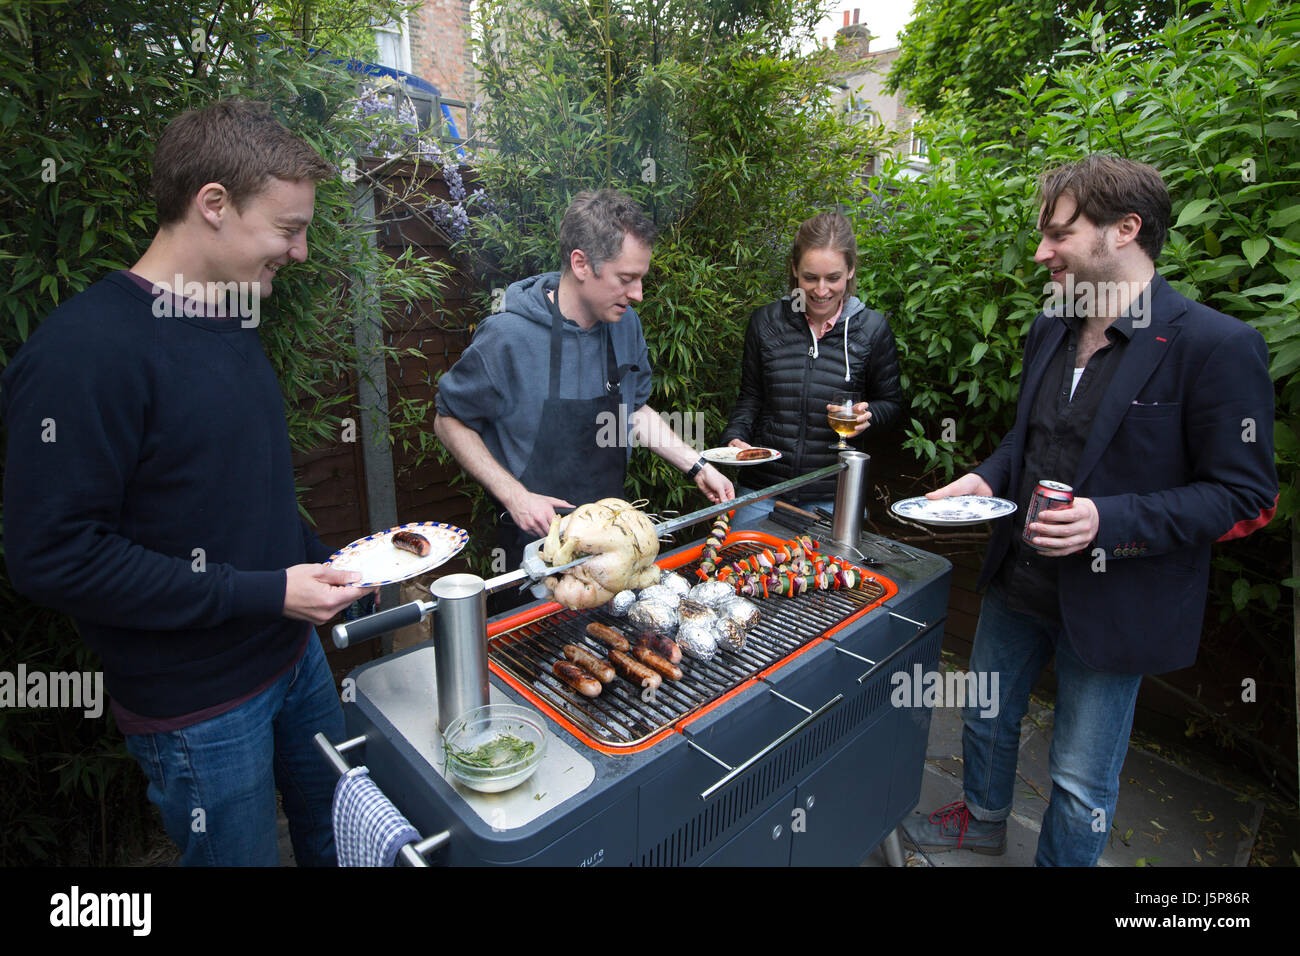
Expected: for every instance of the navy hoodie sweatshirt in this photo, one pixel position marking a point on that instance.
(500, 382)
(149, 493)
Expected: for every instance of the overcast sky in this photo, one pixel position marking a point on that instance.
(885, 19)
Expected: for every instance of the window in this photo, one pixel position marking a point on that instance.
(860, 111)
(394, 42)
(919, 145)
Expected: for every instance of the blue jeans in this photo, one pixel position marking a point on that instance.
(1094, 715)
(215, 781)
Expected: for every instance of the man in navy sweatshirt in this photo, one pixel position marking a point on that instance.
(149, 493)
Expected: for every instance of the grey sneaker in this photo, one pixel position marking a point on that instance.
(953, 828)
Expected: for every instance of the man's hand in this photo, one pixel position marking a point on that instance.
(968, 484)
(1063, 531)
(738, 443)
(533, 513)
(714, 484)
(863, 412)
(315, 593)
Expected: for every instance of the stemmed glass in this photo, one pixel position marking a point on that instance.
(843, 419)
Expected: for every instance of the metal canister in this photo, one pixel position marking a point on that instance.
(1047, 496)
(459, 645)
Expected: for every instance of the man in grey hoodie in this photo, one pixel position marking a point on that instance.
(543, 407)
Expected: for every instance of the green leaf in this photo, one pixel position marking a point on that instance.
(1193, 213)
(1284, 217)
(1254, 250)
(977, 352)
(1285, 361)
(1286, 245)
(1240, 593)
(988, 318)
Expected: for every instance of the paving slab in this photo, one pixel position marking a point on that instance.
(1167, 815)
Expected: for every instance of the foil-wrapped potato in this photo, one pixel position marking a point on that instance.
(675, 582)
(711, 593)
(696, 640)
(730, 635)
(661, 593)
(621, 603)
(742, 611)
(653, 616)
(695, 612)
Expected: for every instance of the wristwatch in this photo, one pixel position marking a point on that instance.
(695, 468)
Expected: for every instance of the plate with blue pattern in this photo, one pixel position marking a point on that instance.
(380, 562)
(955, 511)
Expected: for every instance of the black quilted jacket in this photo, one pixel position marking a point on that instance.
(784, 390)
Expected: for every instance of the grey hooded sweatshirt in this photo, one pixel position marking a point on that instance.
(500, 382)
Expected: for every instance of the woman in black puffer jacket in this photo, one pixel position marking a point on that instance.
(799, 352)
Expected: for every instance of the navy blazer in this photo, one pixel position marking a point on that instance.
(1180, 455)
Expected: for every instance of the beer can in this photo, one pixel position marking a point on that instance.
(1047, 496)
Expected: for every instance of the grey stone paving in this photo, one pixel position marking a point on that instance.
(1167, 815)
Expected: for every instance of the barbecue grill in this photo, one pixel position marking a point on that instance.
(786, 753)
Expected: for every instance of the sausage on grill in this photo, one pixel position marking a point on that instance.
(589, 661)
(577, 678)
(606, 634)
(634, 670)
(665, 647)
(651, 659)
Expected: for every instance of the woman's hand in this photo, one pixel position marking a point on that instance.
(863, 412)
(737, 443)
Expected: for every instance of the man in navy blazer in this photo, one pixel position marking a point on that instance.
(1158, 412)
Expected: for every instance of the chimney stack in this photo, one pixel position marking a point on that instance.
(855, 14)
(846, 18)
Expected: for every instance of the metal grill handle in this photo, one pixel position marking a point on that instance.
(381, 622)
(412, 854)
(734, 772)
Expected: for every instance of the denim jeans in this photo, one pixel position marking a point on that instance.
(215, 781)
(1093, 718)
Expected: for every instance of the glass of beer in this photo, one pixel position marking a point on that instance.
(843, 419)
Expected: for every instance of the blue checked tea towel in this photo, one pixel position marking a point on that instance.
(368, 829)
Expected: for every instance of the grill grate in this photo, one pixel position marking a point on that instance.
(620, 717)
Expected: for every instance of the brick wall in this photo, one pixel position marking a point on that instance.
(440, 52)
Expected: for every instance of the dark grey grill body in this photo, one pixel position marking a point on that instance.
(826, 796)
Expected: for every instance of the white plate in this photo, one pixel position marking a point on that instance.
(379, 563)
(953, 512)
(727, 456)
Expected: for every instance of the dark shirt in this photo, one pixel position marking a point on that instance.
(1058, 430)
(162, 514)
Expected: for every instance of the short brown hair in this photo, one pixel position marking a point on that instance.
(826, 230)
(236, 143)
(1106, 189)
(596, 223)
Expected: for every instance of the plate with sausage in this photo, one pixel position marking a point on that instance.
(399, 553)
(740, 456)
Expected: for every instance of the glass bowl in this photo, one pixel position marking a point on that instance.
(495, 747)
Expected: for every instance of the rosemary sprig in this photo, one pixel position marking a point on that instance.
(499, 751)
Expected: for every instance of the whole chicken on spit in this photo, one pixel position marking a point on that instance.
(624, 540)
